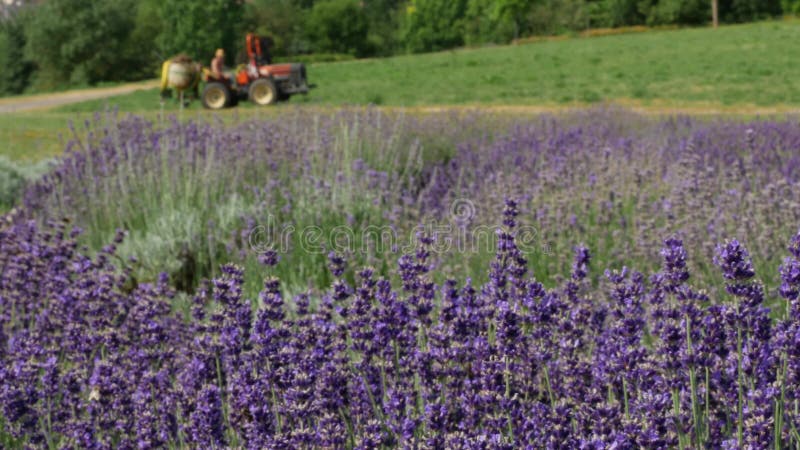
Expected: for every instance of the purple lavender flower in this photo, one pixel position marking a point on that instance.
(734, 260)
(206, 423)
(269, 258)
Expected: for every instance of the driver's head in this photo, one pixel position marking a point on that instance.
(220, 53)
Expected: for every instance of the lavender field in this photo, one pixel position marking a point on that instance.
(367, 279)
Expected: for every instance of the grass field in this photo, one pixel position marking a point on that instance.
(754, 64)
(734, 67)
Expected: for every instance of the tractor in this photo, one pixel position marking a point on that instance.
(258, 80)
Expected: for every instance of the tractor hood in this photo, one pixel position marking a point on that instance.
(283, 71)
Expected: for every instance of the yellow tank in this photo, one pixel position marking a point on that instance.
(181, 75)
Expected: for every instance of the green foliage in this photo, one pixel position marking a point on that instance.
(78, 41)
(434, 24)
(790, 6)
(615, 13)
(497, 21)
(16, 69)
(282, 20)
(384, 18)
(695, 12)
(338, 26)
(14, 177)
(11, 184)
(747, 10)
(197, 28)
(551, 17)
(140, 52)
(691, 12)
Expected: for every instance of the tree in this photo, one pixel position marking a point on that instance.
(687, 12)
(78, 41)
(731, 11)
(435, 24)
(282, 20)
(338, 26)
(197, 28)
(790, 6)
(715, 13)
(17, 69)
(141, 55)
(497, 21)
(384, 18)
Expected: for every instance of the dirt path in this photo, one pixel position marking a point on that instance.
(45, 101)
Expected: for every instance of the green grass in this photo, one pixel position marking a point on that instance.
(739, 67)
(32, 136)
(751, 64)
(755, 64)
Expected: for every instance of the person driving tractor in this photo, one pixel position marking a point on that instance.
(218, 64)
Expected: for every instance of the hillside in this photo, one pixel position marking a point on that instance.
(752, 64)
(742, 69)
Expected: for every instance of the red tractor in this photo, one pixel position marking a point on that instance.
(263, 83)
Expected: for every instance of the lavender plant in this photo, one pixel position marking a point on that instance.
(195, 195)
(89, 362)
(511, 345)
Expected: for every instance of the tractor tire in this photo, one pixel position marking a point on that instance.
(263, 92)
(216, 96)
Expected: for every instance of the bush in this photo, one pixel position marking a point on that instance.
(282, 20)
(198, 28)
(78, 41)
(557, 16)
(748, 10)
(338, 26)
(691, 12)
(435, 24)
(790, 6)
(16, 69)
(141, 56)
(14, 178)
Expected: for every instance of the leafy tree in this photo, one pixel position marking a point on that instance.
(197, 28)
(78, 41)
(384, 18)
(790, 6)
(748, 10)
(434, 24)
(558, 16)
(617, 13)
(497, 21)
(338, 26)
(687, 12)
(17, 69)
(282, 20)
(141, 54)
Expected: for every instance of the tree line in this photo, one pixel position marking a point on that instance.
(50, 44)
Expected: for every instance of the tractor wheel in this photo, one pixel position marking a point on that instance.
(263, 92)
(216, 96)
